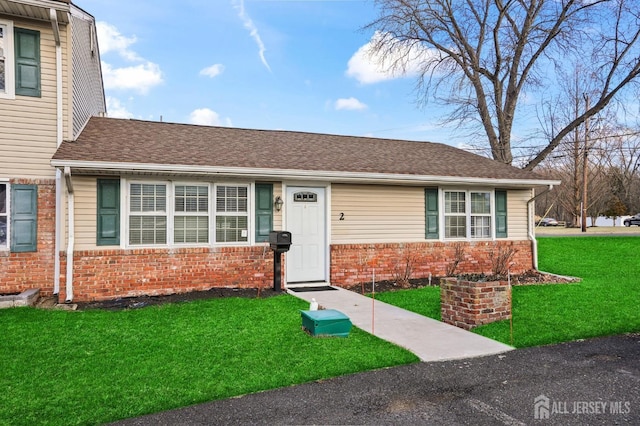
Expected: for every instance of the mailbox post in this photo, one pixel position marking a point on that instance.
(280, 242)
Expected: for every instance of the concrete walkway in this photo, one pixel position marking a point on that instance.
(429, 339)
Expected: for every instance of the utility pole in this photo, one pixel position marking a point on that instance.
(585, 167)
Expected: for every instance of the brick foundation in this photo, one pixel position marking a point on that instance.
(353, 263)
(467, 304)
(22, 271)
(107, 274)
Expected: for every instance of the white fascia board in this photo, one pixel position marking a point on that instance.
(313, 175)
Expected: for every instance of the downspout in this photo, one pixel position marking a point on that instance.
(532, 237)
(59, 132)
(71, 232)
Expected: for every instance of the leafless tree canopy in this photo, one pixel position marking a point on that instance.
(482, 56)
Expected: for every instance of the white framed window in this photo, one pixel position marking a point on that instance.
(191, 214)
(468, 214)
(480, 215)
(455, 214)
(4, 215)
(232, 213)
(7, 65)
(147, 213)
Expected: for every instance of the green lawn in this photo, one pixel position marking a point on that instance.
(97, 366)
(606, 302)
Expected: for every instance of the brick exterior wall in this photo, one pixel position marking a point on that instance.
(467, 304)
(22, 271)
(107, 274)
(353, 263)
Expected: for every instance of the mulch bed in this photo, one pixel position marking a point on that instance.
(142, 301)
(528, 278)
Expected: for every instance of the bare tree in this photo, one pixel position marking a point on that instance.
(481, 56)
(622, 157)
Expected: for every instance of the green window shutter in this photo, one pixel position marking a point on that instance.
(27, 52)
(431, 208)
(108, 212)
(501, 214)
(24, 218)
(264, 211)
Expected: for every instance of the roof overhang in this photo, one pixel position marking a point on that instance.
(98, 168)
(37, 9)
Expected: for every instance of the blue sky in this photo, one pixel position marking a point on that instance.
(265, 64)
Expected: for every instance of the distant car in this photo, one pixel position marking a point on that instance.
(547, 221)
(633, 220)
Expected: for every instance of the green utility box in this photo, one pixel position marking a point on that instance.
(327, 322)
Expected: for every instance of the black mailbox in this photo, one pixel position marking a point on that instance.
(280, 241)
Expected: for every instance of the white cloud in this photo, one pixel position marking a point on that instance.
(349, 104)
(110, 39)
(207, 117)
(212, 71)
(253, 30)
(115, 108)
(368, 66)
(139, 78)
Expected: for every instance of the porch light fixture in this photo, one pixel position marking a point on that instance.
(278, 203)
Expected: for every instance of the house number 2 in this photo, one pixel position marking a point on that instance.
(341, 216)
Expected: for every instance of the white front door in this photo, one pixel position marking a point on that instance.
(305, 216)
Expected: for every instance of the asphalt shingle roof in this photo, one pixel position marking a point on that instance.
(109, 140)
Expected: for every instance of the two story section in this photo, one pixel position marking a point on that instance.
(50, 84)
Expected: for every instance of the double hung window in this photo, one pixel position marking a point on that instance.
(147, 214)
(6, 59)
(232, 214)
(467, 214)
(191, 220)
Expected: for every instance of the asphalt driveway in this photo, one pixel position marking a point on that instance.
(596, 381)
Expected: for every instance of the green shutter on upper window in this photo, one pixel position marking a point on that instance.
(501, 214)
(108, 220)
(24, 218)
(431, 209)
(27, 58)
(264, 211)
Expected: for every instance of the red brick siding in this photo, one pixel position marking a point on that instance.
(353, 263)
(107, 274)
(467, 304)
(22, 271)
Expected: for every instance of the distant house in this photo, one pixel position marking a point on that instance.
(50, 84)
(156, 208)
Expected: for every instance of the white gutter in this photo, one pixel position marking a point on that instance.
(318, 175)
(59, 134)
(71, 232)
(530, 225)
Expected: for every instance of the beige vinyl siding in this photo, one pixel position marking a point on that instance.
(28, 124)
(88, 92)
(377, 214)
(517, 213)
(277, 216)
(86, 204)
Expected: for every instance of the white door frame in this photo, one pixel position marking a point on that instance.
(327, 225)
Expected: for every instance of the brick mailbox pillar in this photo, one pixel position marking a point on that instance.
(467, 304)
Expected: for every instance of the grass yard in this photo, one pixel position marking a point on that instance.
(606, 302)
(98, 366)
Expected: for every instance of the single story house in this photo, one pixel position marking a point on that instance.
(155, 208)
